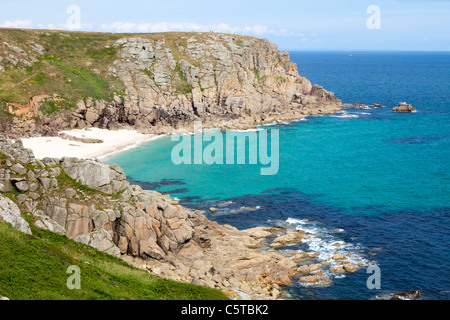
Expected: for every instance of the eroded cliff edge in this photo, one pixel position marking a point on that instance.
(54, 80)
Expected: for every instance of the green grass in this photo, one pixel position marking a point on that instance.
(63, 69)
(83, 82)
(281, 79)
(34, 267)
(258, 77)
(179, 82)
(6, 117)
(50, 106)
(66, 67)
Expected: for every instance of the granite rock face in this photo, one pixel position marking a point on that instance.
(225, 81)
(92, 203)
(216, 78)
(10, 213)
(94, 174)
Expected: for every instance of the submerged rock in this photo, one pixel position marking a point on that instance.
(412, 295)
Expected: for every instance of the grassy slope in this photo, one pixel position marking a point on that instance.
(34, 268)
(63, 68)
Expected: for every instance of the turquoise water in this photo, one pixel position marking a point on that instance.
(381, 176)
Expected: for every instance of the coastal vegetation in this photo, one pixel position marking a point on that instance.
(59, 80)
(52, 81)
(34, 267)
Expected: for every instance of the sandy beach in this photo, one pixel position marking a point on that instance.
(113, 141)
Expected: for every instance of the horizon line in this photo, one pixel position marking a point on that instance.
(361, 50)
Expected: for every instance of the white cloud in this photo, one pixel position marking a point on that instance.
(28, 24)
(130, 27)
(17, 24)
(256, 29)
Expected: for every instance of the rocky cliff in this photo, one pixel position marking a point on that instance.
(153, 82)
(52, 80)
(92, 203)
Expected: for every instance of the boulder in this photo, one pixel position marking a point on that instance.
(22, 186)
(337, 269)
(96, 175)
(91, 116)
(149, 248)
(412, 295)
(70, 193)
(350, 267)
(10, 213)
(46, 223)
(99, 239)
(309, 279)
(18, 168)
(304, 269)
(289, 237)
(337, 256)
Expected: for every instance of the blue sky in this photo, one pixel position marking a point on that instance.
(292, 24)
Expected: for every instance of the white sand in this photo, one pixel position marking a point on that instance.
(113, 141)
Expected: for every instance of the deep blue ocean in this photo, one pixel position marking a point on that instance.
(381, 177)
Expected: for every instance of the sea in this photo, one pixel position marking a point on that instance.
(375, 185)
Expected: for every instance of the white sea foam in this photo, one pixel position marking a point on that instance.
(247, 130)
(296, 221)
(346, 116)
(245, 209)
(323, 241)
(274, 123)
(224, 203)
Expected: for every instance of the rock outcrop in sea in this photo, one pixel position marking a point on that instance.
(404, 107)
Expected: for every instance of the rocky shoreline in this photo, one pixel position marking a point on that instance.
(167, 82)
(91, 202)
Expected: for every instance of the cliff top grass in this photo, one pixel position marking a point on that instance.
(34, 267)
(73, 65)
(67, 64)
